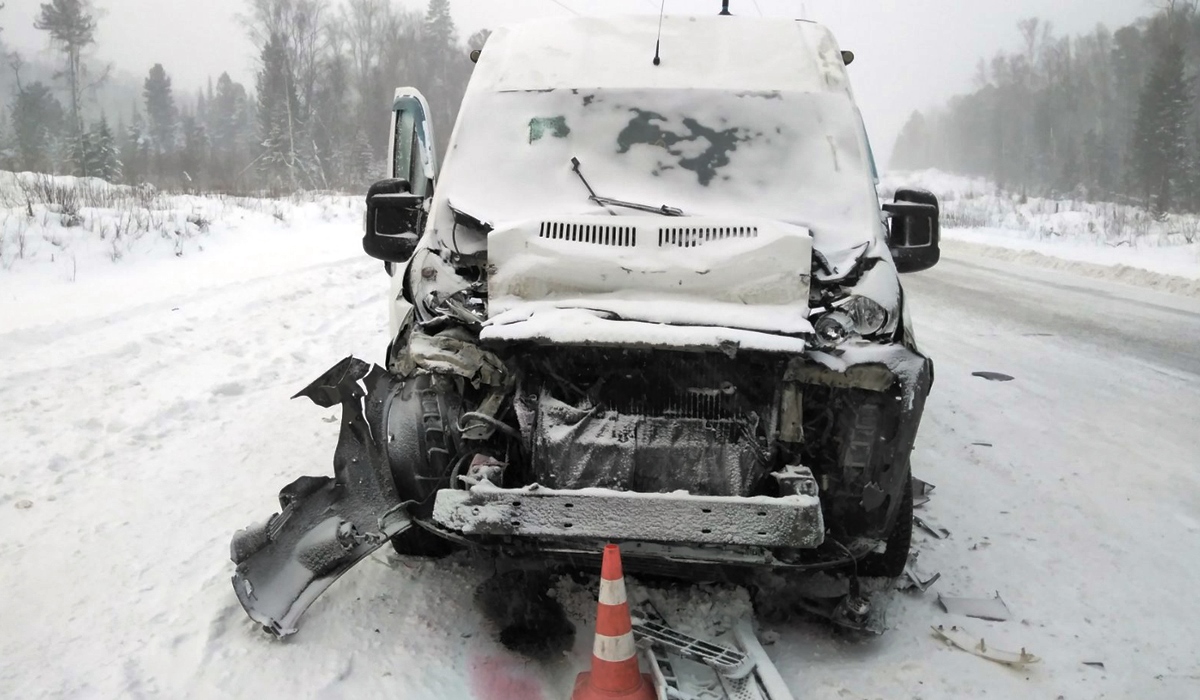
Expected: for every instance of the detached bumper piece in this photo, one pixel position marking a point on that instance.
(326, 525)
(791, 521)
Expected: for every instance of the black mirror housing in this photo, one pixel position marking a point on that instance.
(395, 221)
(915, 230)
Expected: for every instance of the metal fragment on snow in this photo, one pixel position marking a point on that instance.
(937, 531)
(921, 491)
(914, 579)
(992, 609)
(969, 643)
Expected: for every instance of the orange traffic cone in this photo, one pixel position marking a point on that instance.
(615, 674)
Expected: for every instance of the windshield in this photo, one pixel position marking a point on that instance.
(793, 157)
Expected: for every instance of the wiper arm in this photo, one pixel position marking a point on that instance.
(609, 201)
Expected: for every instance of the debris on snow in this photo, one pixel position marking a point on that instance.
(921, 492)
(937, 531)
(962, 639)
(523, 607)
(24, 504)
(992, 609)
(913, 578)
(993, 376)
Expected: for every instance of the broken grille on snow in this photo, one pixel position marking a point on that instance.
(690, 237)
(596, 234)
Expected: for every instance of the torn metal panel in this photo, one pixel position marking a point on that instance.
(452, 353)
(992, 609)
(872, 377)
(325, 525)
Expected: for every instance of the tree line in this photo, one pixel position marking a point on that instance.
(317, 116)
(1108, 116)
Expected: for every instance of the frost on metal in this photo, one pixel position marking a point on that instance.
(680, 517)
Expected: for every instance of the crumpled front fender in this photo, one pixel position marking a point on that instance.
(326, 525)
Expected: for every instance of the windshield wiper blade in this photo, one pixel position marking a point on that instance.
(664, 210)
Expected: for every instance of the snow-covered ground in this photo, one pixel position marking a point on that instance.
(61, 235)
(1103, 240)
(147, 417)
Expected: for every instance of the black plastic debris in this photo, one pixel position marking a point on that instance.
(993, 376)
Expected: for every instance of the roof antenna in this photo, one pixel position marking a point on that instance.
(725, 9)
(658, 40)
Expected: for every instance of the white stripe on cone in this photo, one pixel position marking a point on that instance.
(612, 592)
(614, 649)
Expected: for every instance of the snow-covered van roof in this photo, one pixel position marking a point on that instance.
(711, 52)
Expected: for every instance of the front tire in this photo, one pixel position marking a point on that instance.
(419, 542)
(892, 561)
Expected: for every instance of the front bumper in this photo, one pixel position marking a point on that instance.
(793, 521)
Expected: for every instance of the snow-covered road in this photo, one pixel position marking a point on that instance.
(136, 441)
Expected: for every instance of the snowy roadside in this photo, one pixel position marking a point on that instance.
(86, 248)
(1105, 241)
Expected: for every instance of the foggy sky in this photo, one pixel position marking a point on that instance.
(912, 54)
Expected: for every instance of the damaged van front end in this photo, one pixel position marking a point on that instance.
(659, 307)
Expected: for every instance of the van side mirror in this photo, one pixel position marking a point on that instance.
(395, 221)
(915, 230)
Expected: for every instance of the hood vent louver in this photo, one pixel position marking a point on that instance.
(692, 236)
(595, 234)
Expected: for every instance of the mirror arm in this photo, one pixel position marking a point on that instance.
(910, 209)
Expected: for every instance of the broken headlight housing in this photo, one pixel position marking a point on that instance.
(868, 315)
(833, 328)
(855, 315)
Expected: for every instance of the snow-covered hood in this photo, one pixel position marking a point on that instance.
(743, 119)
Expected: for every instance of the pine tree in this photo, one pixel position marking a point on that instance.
(228, 131)
(1160, 140)
(278, 119)
(72, 27)
(136, 150)
(193, 156)
(439, 51)
(911, 150)
(162, 117)
(37, 119)
(101, 158)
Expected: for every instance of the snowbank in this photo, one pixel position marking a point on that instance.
(1111, 241)
(56, 232)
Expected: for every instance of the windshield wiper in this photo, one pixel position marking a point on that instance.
(609, 201)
